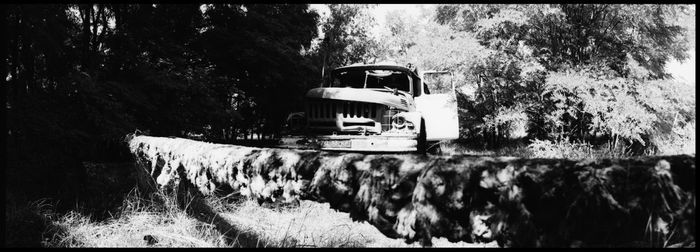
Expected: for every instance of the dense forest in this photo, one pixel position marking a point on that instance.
(80, 77)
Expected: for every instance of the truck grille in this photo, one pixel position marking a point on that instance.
(320, 110)
(344, 116)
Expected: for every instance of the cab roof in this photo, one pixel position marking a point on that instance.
(377, 67)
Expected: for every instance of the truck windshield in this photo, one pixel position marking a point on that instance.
(381, 79)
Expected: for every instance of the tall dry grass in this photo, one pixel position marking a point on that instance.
(138, 218)
(226, 222)
(682, 141)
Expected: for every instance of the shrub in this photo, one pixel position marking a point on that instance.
(681, 140)
(560, 149)
(511, 122)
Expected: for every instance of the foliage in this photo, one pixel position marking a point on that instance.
(435, 47)
(512, 120)
(560, 149)
(81, 76)
(680, 141)
(346, 38)
(586, 106)
(609, 106)
(267, 66)
(580, 71)
(674, 105)
(579, 34)
(565, 148)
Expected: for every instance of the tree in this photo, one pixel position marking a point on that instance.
(346, 38)
(82, 76)
(266, 63)
(579, 34)
(610, 34)
(531, 41)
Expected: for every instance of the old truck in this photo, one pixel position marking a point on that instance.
(376, 108)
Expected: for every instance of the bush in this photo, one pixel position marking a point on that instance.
(578, 149)
(560, 149)
(681, 140)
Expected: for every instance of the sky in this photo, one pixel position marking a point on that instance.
(684, 72)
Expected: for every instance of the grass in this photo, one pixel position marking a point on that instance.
(138, 218)
(235, 222)
(452, 148)
(225, 222)
(571, 150)
(238, 222)
(24, 223)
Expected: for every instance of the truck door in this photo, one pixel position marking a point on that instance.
(438, 105)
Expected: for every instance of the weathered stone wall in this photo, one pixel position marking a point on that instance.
(648, 201)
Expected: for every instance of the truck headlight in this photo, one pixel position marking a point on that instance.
(403, 121)
(398, 122)
(296, 121)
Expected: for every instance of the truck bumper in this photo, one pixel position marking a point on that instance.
(371, 143)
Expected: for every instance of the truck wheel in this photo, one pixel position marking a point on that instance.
(422, 142)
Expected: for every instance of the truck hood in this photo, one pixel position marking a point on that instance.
(361, 95)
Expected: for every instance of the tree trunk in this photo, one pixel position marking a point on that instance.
(116, 45)
(95, 18)
(517, 202)
(27, 60)
(105, 28)
(85, 11)
(16, 84)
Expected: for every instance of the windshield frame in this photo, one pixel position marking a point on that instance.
(366, 68)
